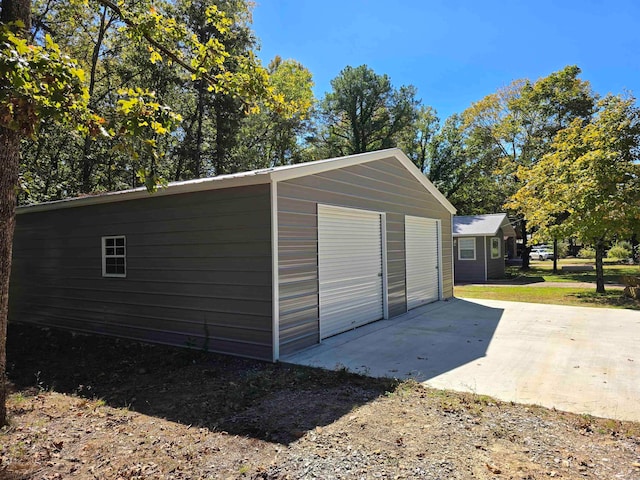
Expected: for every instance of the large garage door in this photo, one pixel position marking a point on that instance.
(423, 278)
(349, 268)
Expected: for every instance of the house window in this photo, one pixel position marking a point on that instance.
(114, 256)
(495, 247)
(467, 248)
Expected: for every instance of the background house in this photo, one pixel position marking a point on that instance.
(481, 243)
(258, 264)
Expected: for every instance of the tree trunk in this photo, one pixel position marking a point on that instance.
(11, 10)
(555, 255)
(87, 160)
(9, 162)
(599, 267)
(197, 157)
(525, 248)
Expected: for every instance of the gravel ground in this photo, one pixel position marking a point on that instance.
(123, 410)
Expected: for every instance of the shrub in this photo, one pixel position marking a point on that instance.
(587, 252)
(620, 251)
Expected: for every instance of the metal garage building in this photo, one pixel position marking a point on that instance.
(259, 264)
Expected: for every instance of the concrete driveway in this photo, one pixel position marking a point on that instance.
(578, 359)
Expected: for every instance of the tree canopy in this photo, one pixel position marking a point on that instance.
(588, 185)
(364, 112)
(47, 98)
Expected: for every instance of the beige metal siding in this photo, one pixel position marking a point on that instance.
(396, 264)
(198, 270)
(298, 272)
(382, 186)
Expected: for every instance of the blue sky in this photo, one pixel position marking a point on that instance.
(456, 51)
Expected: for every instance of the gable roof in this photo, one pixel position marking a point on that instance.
(254, 177)
(482, 225)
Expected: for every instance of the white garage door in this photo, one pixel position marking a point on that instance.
(421, 243)
(349, 268)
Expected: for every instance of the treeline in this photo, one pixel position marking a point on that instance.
(218, 131)
(481, 159)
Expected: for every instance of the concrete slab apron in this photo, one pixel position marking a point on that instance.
(578, 359)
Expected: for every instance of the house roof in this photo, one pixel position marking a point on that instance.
(482, 225)
(254, 177)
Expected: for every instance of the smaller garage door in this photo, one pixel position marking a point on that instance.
(349, 268)
(423, 276)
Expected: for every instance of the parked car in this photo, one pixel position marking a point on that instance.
(541, 254)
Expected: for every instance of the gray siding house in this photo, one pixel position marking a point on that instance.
(481, 243)
(258, 264)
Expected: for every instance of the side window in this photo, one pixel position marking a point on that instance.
(467, 248)
(114, 256)
(495, 247)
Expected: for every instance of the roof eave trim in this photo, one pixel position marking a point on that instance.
(213, 183)
(476, 234)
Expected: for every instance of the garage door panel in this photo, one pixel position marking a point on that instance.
(422, 261)
(349, 268)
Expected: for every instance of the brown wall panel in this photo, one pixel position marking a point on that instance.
(198, 270)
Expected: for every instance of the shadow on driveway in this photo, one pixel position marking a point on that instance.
(583, 360)
(421, 344)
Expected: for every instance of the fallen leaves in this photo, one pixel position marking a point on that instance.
(216, 417)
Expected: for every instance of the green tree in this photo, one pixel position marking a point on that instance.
(36, 83)
(39, 84)
(518, 124)
(60, 162)
(415, 141)
(588, 186)
(463, 167)
(273, 137)
(213, 118)
(364, 112)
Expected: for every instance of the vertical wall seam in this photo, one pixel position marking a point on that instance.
(486, 268)
(385, 266)
(453, 258)
(440, 264)
(275, 277)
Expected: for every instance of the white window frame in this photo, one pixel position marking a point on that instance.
(106, 255)
(499, 249)
(461, 240)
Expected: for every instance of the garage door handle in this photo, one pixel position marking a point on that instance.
(380, 274)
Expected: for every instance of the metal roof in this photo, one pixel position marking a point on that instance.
(482, 225)
(254, 177)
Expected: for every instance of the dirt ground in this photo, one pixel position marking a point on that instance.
(97, 407)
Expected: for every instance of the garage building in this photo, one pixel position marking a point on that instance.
(258, 264)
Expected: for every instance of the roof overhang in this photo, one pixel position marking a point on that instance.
(489, 231)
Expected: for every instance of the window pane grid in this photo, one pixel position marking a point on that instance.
(114, 252)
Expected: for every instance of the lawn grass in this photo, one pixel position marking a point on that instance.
(542, 271)
(556, 295)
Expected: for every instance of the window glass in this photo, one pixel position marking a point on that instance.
(467, 248)
(495, 247)
(114, 256)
